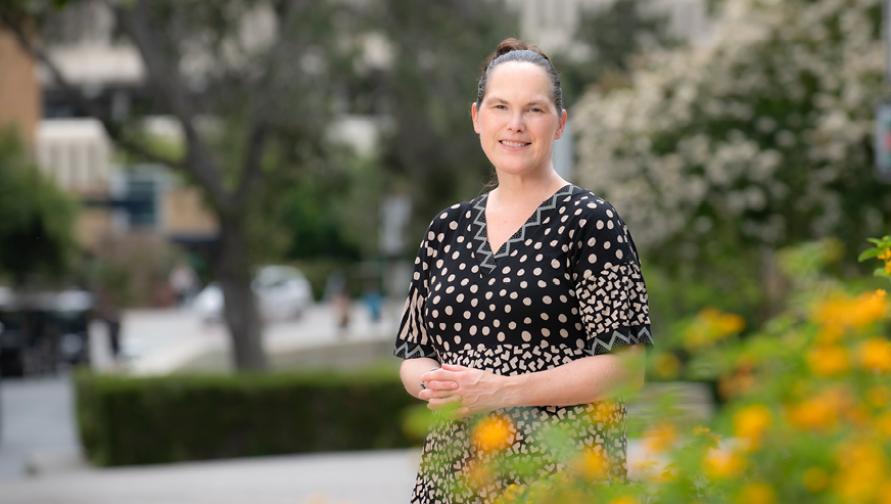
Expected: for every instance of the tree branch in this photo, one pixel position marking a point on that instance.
(114, 129)
(258, 126)
(164, 76)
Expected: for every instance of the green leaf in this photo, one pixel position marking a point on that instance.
(868, 254)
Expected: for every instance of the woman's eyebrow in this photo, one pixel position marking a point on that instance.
(502, 100)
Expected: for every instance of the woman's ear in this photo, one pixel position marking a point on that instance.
(474, 117)
(564, 116)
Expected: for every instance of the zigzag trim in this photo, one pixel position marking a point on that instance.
(603, 343)
(484, 248)
(413, 350)
(480, 236)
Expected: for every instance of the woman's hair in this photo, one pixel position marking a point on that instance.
(512, 49)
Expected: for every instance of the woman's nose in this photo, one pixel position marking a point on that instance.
(516, 122)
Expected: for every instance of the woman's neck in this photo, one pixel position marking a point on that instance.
(521, 189)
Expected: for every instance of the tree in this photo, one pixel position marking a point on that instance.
(607, 40)
(431, 153)
(760, 140)
(36, 220)
(266, 91)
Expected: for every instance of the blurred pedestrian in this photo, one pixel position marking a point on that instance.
(337, 295)
(373, 300)
(183, 281)
(107, 309)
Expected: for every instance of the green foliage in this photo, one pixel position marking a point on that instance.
(124, 420)
(36, 219)
(762, 138)
(881, 250)
(609, 38)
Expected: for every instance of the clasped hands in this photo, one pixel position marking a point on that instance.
(474, 390)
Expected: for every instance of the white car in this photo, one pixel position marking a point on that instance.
(282, 293)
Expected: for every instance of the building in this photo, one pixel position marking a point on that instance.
(19, 92)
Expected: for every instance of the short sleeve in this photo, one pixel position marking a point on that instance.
(608, 282)
(412, 339)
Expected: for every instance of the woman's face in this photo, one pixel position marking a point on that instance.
(517, 122)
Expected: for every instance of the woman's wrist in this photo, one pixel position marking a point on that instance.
(511, 390)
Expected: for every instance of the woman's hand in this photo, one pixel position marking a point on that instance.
(475, 390)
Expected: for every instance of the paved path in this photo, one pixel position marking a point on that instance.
(381, 477)
(38, 433)
(37, 425)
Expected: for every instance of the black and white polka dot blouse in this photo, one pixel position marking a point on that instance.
(565, 286)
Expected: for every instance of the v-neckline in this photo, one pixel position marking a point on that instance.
(535, 212)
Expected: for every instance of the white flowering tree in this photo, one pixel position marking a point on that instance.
(759, 139)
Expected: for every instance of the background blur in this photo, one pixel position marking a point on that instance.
(227, 196)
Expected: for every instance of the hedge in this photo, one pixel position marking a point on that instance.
(143, 420)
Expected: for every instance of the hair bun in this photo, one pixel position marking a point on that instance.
(510, 44)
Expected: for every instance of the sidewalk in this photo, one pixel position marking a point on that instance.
(379, 477)
(40, 462)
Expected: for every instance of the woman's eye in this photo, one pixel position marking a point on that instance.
(500, 106)
(536, 109)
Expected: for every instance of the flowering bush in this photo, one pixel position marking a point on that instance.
(760, 138)
(807, 413)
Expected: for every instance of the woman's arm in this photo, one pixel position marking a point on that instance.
(412, 372)
(581, 381)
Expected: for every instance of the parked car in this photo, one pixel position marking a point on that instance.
(283, 293)
(40, 330)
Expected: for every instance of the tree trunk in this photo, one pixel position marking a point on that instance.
(240, 307)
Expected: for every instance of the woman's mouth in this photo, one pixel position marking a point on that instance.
(511, 145)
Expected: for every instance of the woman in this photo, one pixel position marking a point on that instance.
(521, 298)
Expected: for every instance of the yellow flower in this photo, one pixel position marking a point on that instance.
(750, 422)
(756, 493)
(840, 312)
(875, 354)
(862, 467)
(592, 464)
(660, 437)
(711, 325)
(815, 479)
(883, 425)
(605, 412)
(885, 492)
(625, 499)
(493, 433)
(819, 412)
(720, 464)
(827, 360)
(886, 256)
(879, 396)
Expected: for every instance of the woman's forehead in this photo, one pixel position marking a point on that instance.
(518, 79)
